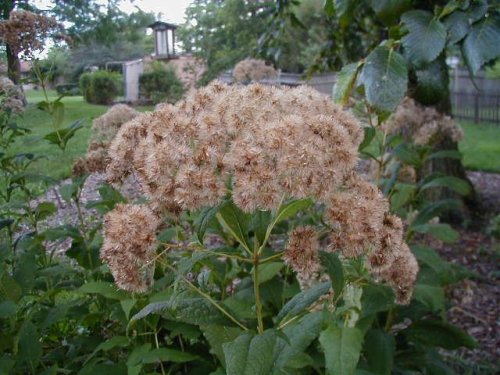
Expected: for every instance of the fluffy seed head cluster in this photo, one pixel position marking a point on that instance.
(25, 31)
(266, 145)
(252, 70)
(11, 96)
(422, 125)
(104, 129)
(129, 245)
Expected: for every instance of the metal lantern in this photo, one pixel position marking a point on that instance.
(164, 34)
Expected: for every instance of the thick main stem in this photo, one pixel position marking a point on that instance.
(258, 303)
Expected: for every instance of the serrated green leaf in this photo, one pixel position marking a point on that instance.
(300, 335)
(217, 335)
(376, 298)
(105, 289)
(29, 349)
(268, 270)
(44, 210)
(426, 37)
(329, 7)
(203, 220)
(440, 334)
(335, 271)
(250, 354)
(456, 184)
(379, 347)
(477, 10)
(342, 347)
(457, 25)
(7, 309)
(385, 77)
(402, 194)
(431, 296)
(345, 82)
(303, 300)
(290, 209)
(389, 11)
(481, 44)
(442, 232)
(450, 154)
(9, 288)
(191, 310)
(367, 140)
(236, 221)
(167, 355)
(434, 209)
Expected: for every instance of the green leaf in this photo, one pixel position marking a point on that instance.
(236, 221)
(29, 347)
(329, 7)
(402, 194)
(61, 137)
(300, 335)
(443, 232)
(203, 220)
(217, 335)
(431, 296)
(389, 11)
(58, 113)
(456, 184)
(408, 154)
(345, 82)
(342, 347)
(440, 334)
(290, 209)
(192, 310)
(107, 290)
(44, 210)
(127, 305)
(450, 154)
(9, 288)
(259, 224)
(369, 135)
(376, 298)
(434, 209)
(268, 270)
(113, 342)
(385, 77)
(457, 25)
(345, 11)
(303, 300)
(380, 348)
(333, 266)
(426, 37)
(481, 44)
(477, 10)
(7, 309)
(137, 354)
(168, 355)
(250, 354)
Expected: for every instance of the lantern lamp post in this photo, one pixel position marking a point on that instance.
(164, 34)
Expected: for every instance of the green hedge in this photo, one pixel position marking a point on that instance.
(160, 84)
(101, 87)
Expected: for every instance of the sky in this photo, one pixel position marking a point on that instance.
(171, 10)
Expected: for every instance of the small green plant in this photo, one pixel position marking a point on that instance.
(493, 228)
(101, 87)
(160, 84)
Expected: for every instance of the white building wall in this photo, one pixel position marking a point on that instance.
(131, 72)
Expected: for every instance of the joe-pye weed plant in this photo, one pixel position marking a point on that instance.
(267, 253)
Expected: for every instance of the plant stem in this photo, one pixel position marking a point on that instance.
(205, 295)
(258, 303)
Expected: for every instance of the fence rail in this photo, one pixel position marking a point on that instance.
(476, 106)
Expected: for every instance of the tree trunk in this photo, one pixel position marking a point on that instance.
(13, 66)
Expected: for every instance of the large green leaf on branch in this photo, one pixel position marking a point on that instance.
(250, 354)
(426, 37)
(389, 11)
(342, 347)
(441, 334)
(457, 25)
(379, 351)
(456, 184)
(482, 43)
(345, 82)
(236, 222)
(303, 300)
(385, 77)
(218, 335)
(333, 267)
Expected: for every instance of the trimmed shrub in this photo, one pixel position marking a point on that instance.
(160, 84)
(101, 87)
(68, 89)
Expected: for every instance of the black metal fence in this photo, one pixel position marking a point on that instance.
(476, 107)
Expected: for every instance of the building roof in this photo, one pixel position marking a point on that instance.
(162, 25)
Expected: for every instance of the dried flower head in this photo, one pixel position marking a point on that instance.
(252, 70)
(11, 96)
(129, 245)
(104, 129)
(263, 145)
(25, 32)
(422, 125)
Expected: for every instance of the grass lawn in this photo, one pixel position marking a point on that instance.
(481, 146)
(55, 163)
